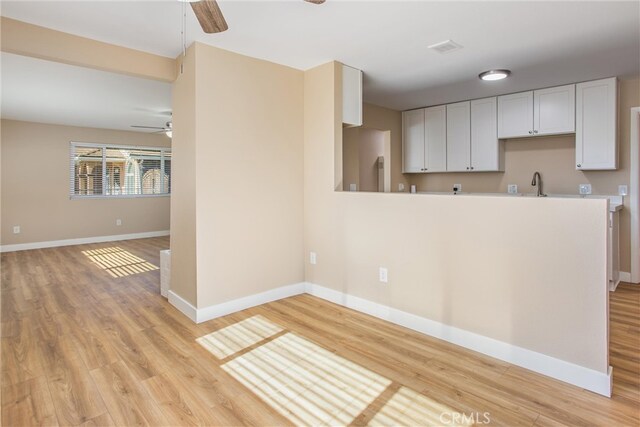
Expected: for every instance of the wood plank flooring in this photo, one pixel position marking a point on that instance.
(80, 347)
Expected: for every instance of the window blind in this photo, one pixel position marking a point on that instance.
(118, 171)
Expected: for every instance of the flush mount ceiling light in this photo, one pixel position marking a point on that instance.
(493, 75)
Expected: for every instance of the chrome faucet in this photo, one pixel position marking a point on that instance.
(537, 181)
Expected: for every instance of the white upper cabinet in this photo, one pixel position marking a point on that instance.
(540, 112)
(413, 141)
(472, 136)
(596, 125)
(435, 131)
(351, 96)
(554, 110)
(465, 136)
(487, 152)
(424, 140)
(515, 115)
(459, 137)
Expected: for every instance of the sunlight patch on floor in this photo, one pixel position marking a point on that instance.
(118, 262)
(410, 408)
(307, 384)
(234, 338)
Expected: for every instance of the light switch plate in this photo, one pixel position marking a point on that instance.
(623, 190)
(401, 187)
(512, 189)
(313, 258)
(457, 188)
(384, 275)
(118, 221)
(585, 189)
(16, 229)
(353, 187)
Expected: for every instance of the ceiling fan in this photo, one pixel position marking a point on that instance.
(167, 129)
(210, 16)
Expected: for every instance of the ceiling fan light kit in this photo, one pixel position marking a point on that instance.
(493, 75)
(167, 129)
(210, 16)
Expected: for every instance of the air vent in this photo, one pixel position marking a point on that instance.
(445, 46)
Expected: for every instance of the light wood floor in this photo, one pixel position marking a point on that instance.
(80, 347)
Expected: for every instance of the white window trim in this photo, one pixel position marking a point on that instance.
(74, 144)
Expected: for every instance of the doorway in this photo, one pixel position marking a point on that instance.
(366, 159)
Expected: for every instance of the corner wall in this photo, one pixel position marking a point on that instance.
(244, 210)
(183, 180)
(494, 266)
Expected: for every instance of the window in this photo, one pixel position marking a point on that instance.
(119, 171)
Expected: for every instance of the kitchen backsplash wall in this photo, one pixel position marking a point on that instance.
(554, 158)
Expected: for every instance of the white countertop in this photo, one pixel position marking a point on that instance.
(615, 202)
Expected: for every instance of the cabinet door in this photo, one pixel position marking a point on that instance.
(459, 137)
(413, 141)
(351, 96)
(435, 134)
(596, 125)
(554, 110)
(486, 149)
(515, 115)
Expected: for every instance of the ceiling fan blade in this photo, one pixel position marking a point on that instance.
(147, 127)
(209, 16)
(315, 1)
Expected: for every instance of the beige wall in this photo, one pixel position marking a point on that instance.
(381, 118)
(351, 157)
(35, 187)
(248, 175)
(31, 40)
(183, 179)
(360, 151)
(370, 147)
(554, 158)
(470, 262)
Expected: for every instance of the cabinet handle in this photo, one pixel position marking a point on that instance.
(579, 165)
(467, 167)
(471, 167)
(530, 132)
(535, 131)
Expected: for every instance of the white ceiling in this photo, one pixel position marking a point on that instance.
(49, 92)
(543, 43)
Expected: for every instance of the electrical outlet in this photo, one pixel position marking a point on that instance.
(585, 189)
(118, 221)
(623, 190)
(401, 187)
(383, 275)
(353, 187)
(457, 187)
(512, 189)
(16, 229)
(313, 258)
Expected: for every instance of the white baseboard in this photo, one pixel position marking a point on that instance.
(219, 310)
(200, 315)
(625, 276)
(81, 241)
(589, 379)
(613, 285)
(183, 305)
